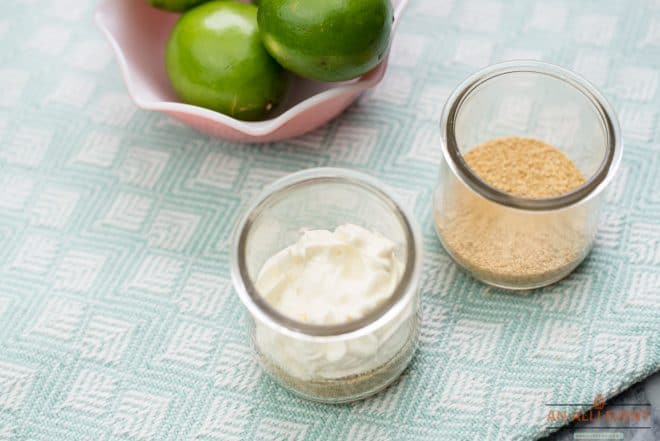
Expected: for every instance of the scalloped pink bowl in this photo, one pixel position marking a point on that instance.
(138, 33)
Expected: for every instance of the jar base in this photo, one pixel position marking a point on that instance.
(525, 287)
(344, 390)
(521, 283)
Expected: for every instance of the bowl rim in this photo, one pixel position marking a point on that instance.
(251, 128)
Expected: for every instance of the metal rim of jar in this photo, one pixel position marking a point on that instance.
(262, 311)
(596, 182)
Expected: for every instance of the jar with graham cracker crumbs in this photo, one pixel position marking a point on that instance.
(528, 149)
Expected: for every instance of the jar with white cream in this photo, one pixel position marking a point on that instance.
(327, 264)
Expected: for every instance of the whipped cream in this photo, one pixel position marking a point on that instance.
(330, 278)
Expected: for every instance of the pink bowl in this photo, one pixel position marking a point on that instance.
(138, 33)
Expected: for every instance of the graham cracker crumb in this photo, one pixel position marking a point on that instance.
(506, 246)
(524, 167)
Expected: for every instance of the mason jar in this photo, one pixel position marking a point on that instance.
(511, 241)
(328, 363)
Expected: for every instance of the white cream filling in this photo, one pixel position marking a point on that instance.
(330, 278)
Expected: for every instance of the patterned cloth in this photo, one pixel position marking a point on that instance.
(117, 317)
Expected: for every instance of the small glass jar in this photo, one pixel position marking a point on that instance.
(328, 363)
(510, 241)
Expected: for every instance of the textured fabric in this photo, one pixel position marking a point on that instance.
(117, 316)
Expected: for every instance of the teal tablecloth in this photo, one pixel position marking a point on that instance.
(117, 317)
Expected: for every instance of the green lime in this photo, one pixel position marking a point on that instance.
(175, 5)
(215, 59)
(328, 40)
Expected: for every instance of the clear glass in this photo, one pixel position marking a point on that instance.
(337, 363)
(516, 242)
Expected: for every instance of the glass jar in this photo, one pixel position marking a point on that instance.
(510, 241)
(328, 363)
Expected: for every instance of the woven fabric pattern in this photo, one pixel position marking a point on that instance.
(117, 316)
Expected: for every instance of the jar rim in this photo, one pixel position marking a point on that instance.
(260, 309)
(596, 182)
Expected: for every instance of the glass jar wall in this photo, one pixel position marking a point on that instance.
(511, 241)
